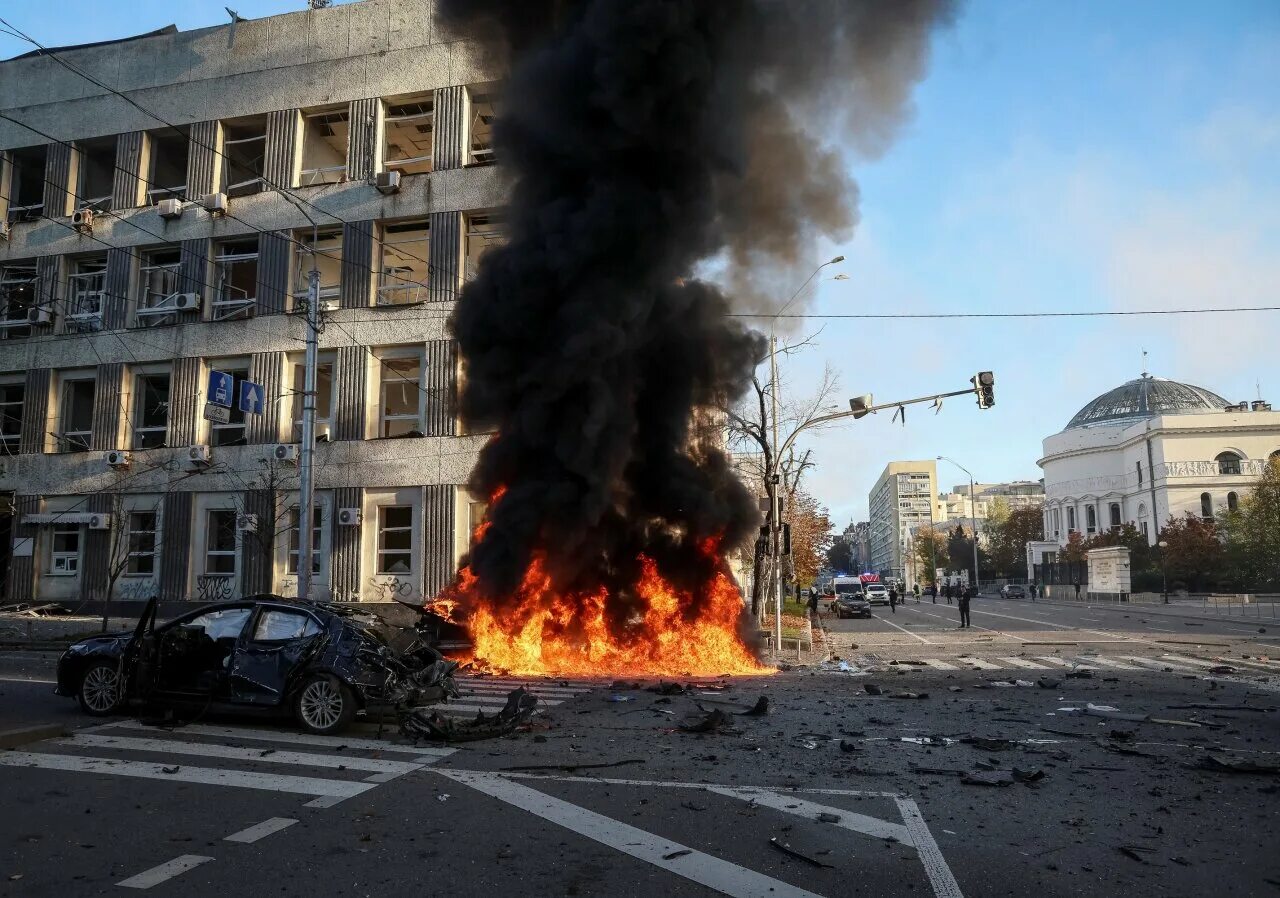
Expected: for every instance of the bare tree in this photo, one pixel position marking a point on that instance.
(750, 428)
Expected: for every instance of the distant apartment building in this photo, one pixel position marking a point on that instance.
(1018, 494)
(904, 496)
(138, 258)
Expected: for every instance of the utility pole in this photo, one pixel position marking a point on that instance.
(775, 510)
(307, 451)
(973, 512)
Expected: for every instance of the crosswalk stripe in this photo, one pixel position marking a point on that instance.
(210, 776)
(213, 750)
(260, 830)
(164, 872)
(939, 665)
(980, 664)
(1107, 662)
(496, 702)
(1020, 662)
(529, 684)
(537, 690)
(1270, 666)
(258, 735)
(1195, 662)
(457, 709)
(1059, 662)
(1158, 664)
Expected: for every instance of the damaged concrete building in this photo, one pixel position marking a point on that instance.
(163, 198)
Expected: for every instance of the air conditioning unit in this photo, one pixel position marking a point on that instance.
(246, 523)
(286, 452)
(169, 208)
(39, 315)
(199, 455)
(329, 304)
(99, 522)
(323, 432)
(387, 182)
(117, 458)
(214, 203)
(82, 220)
(187, 302)
(349, 517)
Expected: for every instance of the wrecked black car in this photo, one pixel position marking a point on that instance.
(320, 663)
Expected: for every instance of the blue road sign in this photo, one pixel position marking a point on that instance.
(253, 398)
(222, 387)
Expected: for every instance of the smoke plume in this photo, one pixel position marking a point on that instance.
(645, 138)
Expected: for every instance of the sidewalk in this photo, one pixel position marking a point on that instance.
(1192, 610)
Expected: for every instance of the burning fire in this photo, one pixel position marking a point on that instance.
(547, 633)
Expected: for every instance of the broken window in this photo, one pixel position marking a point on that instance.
(325, 253)
(233, 432)
(295, 546)
(158, 286)
(86, 290)
(75, 414)
(167, 172)
(151, 411)
(395, 539)
(402, 276)
(244, 154)
(476, 512)
(142, 543)
(324, 146)
(324, 398)
(401, 397)
(13, 397)
(26, 183)
(220, 542)
(235, 280)
(485, 230)
(17, 298)
(409, 123)
(484, 101)
(64, 549)
(96, 180)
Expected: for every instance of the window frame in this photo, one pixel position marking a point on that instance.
(131, 531)
(386, 364)
(73, 441)
(64, 528)
(157, 192)
(16, 278)
(87, 151)
(1229, 463)
(209, 552)
(236, 419)
(394, 114)
(11, 442)
(395, 280)
(224, 267)
(324, 174)
(319, 541)
(87, 291)
(322, 245)
(149, 312)
(139, 432)
(380, 532)
(298, 382)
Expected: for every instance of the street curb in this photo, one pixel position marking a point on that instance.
(1136, 608)
(27, 735)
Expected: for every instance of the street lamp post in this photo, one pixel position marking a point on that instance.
(973, 510)
(775, 478)
(1164, 573)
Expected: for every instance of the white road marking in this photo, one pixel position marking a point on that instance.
(939, 665)
(790, 804)
(261, 830)
(1194, 662)
(500, 689)
(980, 664)
(256, 735)
(28, 680)
(904, 630)
(1108, 662)
(270, 782)
(1158, 664)
(1051, 660)
(704, 869)
(935, 867)
(163, 873)
(494, 701)
(1020, 662)
(531, 685)
(1269, 666)
(661, 784)
(213, 750)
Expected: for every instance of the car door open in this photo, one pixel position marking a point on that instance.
(193, 654)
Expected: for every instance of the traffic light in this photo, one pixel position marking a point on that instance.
(786, 539)
(984, 385)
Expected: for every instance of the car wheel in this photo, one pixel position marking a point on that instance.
(324, 705)
(99, 693)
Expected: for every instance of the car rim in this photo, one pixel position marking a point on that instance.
(101, 688)
(321, 704)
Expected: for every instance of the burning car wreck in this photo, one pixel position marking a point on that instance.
(322, 664)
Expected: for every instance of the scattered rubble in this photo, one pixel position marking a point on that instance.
(791, 852)
(427, 723)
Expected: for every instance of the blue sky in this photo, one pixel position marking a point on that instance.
(1060, 157)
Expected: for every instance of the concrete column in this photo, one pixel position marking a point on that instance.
(437, 537)
(446, 236)
(351, 383)
(6, 184)
(364, 146)
(357, 265)
(257, 550)
(275, 258)
(186, 401)
(130, 176)
(204, 160)
(49, 292)
(193, 275)
(344, 561)
(108, 407)
(35, 411)
(280, 166)
(96, 556)
(118, 284)
(22, 568)
(449, 128)
(175, 541)
(59, 188)
(268, 369)
(441, 384)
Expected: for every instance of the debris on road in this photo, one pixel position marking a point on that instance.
(759, 709)
(872, 689)
(570, 768)
(1080, 673)
(426, 723)
(1219, 764)
(1048, 683)
(989, 744)
(710, 723)
(675, 854)
(1002, 777)
(798, 855)
(1135, 852)
(825, 817)
(910, 695)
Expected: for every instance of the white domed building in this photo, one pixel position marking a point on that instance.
(1152, 449)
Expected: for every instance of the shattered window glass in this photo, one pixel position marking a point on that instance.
(226, 623)
(279, 626)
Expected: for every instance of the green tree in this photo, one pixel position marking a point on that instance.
(1127, 535)
(810, 534)
(930, 548)
(1194, 554)
(1007, 539)
(840, 556)
(1074, 550)
(1252, 533)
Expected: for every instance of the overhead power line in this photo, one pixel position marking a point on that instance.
(1050, 314)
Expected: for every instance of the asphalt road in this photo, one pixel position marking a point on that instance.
(870, 787)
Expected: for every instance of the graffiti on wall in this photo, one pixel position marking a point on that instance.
(135, 590)
(394, 589)
(215, 589)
